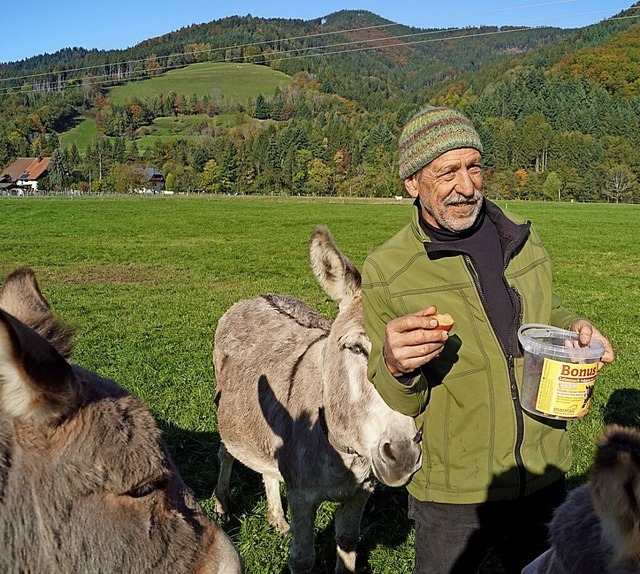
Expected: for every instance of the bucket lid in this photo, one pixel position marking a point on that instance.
(555, 342)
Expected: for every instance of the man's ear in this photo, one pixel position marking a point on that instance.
(411, 185)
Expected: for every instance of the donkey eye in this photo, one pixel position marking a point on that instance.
(358, 349)
(146, 488)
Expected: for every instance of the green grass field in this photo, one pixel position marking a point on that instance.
(144, 281)
(238, 82)
(82, 135)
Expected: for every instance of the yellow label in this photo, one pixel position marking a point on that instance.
(566, 388)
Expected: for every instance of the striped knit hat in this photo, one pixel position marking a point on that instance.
(430, 133)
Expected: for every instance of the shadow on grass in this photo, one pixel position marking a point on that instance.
(384, 522)
(196, 456)
(67, 123)
(623, 408)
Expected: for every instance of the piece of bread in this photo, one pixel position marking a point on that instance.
(445, 321)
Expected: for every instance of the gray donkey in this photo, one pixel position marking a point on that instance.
(86, 483)
(295, 405)
(597, 529)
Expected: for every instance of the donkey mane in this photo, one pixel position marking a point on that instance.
(297, 310)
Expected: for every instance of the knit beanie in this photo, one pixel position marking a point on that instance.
(431, 132)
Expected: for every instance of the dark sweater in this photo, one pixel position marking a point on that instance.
(481, 243)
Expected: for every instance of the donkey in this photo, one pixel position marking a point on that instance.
(86, 481)
(597, 529)
(295, 405)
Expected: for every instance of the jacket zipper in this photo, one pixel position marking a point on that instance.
(515, 397)
(522, 472)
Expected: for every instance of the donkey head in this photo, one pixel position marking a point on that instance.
(615, 491)
(86, 482)
(357, 418)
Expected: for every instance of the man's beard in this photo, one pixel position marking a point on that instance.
(455, 224)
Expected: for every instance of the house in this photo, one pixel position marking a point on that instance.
(155, 180)
(22, 176)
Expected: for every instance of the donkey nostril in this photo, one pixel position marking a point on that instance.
(387, 449)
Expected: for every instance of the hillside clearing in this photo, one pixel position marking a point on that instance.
(236, 82)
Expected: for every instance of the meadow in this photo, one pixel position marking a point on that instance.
(237, 83)
(143, 280)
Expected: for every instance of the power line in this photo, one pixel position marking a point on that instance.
(306, 36)
(294, 53)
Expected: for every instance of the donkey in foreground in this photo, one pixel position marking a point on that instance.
(295, 405)
(597, 529)
(86, 482)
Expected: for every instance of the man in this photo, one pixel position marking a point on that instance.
(491, 474)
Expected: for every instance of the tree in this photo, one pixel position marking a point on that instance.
(57, 169)
(319, 178)
(552, 186)
(170, 182)
(127, 178)
(211, 177)
(620, 183)
(261, 108)
(133, 153)
(119, 150)
(302, 159)
(73, 156)
(532, 145)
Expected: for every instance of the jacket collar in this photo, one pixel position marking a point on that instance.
(512, 234)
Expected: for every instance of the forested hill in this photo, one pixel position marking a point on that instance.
(355, 54)
(558, 109)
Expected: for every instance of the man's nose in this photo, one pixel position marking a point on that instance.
(465, 184)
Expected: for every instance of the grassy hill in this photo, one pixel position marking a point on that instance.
(237, 83)
(82, 134)
(184, 127)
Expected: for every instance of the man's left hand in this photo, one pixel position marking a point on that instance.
(587, 331)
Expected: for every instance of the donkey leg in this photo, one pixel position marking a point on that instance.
(347, 524)
(303, 514)
(221, 492)
(275, 512)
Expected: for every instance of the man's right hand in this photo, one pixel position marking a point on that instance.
(412, 340)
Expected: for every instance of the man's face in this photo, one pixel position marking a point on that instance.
(449, 189)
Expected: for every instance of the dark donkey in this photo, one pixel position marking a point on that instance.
(86, 483)
(597, 529)
(295, 405)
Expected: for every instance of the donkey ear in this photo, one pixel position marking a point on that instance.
(336, 274)
(21, 296)
(36, 384)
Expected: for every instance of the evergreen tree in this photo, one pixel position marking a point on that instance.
(261, 109)
(58, 170)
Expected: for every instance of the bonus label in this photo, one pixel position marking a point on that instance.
(566, 388)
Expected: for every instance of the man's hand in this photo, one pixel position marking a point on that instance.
(587, 331)
(412, 341)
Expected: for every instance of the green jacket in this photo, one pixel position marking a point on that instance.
(478, 443)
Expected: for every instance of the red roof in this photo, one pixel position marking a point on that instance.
(27, 168)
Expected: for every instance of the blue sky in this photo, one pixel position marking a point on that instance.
(45, 26)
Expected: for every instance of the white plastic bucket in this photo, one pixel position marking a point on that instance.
(559, 376)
